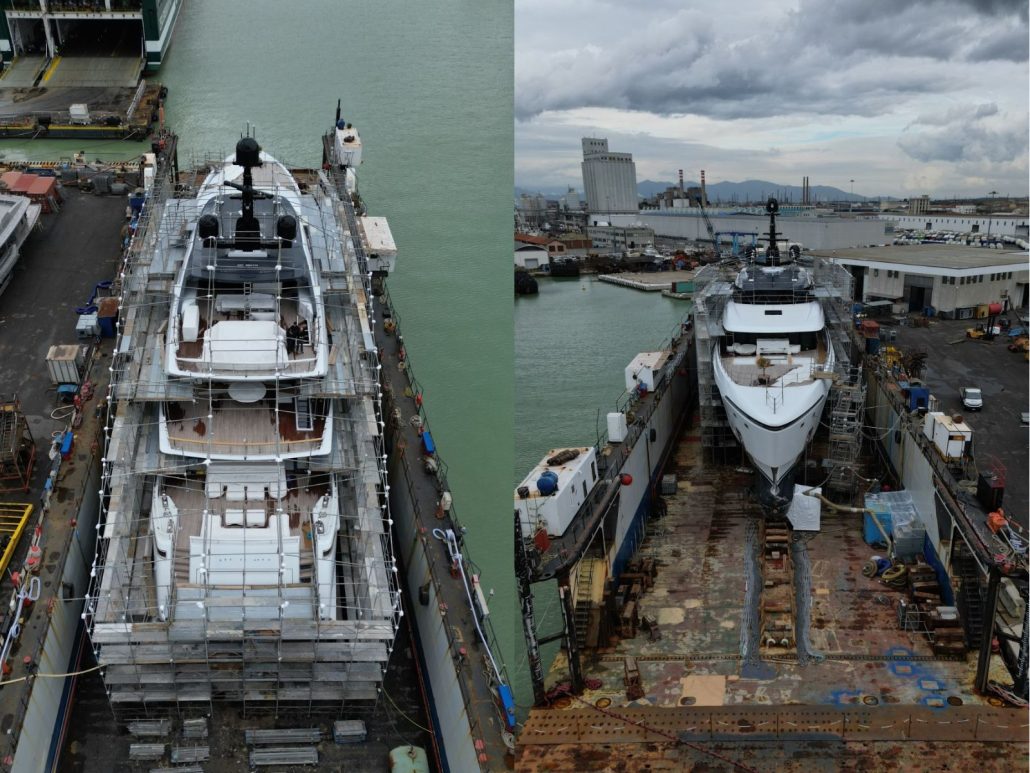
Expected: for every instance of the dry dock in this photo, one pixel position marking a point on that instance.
(669, 689)
(874, 686)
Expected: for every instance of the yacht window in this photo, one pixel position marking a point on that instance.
(806, 340)
(774, 312)
(593, 471)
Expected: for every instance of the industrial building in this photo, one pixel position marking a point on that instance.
(43, 29)
(811, 231)
(996, 225)
(531, 257)
(609, 179)
(952, 280)
(612, 239)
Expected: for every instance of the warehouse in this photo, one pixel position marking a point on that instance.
(814, 232)
(953, 281)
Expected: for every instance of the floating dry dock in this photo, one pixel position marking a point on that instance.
(723, 640)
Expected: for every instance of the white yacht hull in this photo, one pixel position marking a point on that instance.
(773, 441)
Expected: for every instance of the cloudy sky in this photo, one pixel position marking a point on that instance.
(905, 97)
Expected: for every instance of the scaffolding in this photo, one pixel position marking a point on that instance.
(847, 407)
(846, 403)
(17, 449)
(713, 287)
(244, 552)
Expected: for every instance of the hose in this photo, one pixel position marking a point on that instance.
(64, 410)
(895, 576)
(447, 536)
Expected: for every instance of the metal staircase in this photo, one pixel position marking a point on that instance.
(584, 599)
(970, 596)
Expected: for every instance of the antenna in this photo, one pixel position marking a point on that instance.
(338, 101)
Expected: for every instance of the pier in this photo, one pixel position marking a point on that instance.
(650, 281)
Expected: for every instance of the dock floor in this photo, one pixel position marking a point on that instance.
(867, 663)
(31, 87)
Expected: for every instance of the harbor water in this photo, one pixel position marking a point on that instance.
(573, 342)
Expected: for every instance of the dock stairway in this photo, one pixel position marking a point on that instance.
(583, 599)
(970, 597)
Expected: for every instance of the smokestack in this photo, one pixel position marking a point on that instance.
(681, 181)
(704, 196)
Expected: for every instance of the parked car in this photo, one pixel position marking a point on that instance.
(971, 397)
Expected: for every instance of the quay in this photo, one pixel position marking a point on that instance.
(650, 281)
(75, 70)
(60, 266)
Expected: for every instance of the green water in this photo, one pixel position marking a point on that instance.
(430, 88)
(573, 342)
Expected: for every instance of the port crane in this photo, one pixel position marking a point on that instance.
(714, 255)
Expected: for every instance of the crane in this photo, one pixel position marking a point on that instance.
(708, 220)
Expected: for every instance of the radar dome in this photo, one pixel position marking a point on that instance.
(248, 152)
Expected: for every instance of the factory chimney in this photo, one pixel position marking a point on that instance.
(681, 181)
(704, 194)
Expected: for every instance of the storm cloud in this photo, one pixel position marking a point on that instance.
(900, 97)
(819, 58)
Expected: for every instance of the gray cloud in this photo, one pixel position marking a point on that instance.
(1011, 45)
(961, 114)
(967, 137)
(840, 59)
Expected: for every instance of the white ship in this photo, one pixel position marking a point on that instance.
(769, 365)
(245, 553)
(18, 216)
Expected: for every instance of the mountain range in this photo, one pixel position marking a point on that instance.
(753, 190)
(726, 192)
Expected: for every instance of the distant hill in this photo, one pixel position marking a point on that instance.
(752, 190)
(547, 193)
(726, 192)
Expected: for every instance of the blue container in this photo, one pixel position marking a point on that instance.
(106, 326)
(508, 702)
(872, 346)
(918, 397)
(547, 483)
(871, 533)
(67, 443)
(427, 443)
(947, 594)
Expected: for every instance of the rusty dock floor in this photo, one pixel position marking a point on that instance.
(872, 699)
